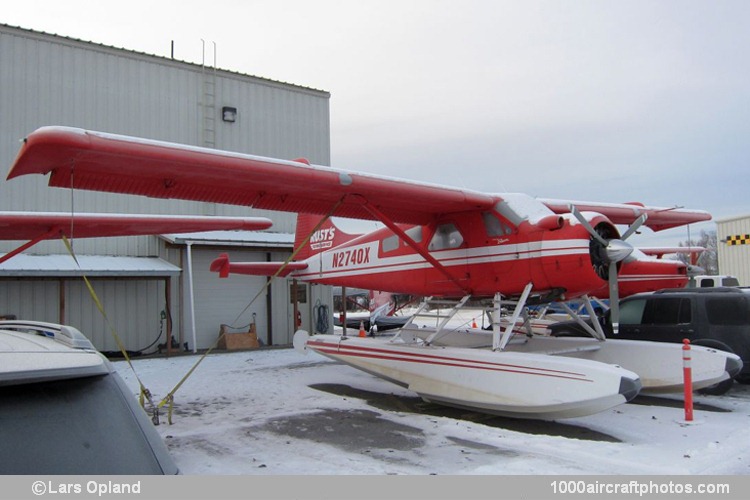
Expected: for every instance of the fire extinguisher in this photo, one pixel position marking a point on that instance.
(299, 319)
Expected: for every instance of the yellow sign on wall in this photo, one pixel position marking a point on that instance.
(738, 239)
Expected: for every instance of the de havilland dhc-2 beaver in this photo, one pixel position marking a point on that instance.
(436, 241)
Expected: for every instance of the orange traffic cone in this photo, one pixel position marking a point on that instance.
(474, 323)
(362, 329)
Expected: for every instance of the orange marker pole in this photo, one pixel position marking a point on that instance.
(687, 373)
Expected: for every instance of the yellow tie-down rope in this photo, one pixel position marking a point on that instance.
(145, 394)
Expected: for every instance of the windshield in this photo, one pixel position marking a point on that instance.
(517, 207)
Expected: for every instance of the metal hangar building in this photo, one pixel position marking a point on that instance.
(733, 247)
(151, 286)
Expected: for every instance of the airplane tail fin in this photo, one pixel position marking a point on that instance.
(328, 235)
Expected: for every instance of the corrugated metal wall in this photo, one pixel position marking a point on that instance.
(50, 80)
(734, 259)
(69, 299)
(36, 299)
(123, 302)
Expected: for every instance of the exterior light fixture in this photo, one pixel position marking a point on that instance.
(229, 114)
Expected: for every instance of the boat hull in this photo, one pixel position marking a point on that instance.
(514, 384)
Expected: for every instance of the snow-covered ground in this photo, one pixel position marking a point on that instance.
(277, 411)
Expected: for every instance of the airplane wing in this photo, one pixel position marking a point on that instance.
(38, 226)
(106, 162)
(32, 225)
(99, 161)
(659, 218)
(662, 251)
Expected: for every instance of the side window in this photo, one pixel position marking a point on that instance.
(686, 312)
(446, 236)
(392, 242)
(631, 312)
(707, 283)
(728, 311)
(730, 281)
(667, 311)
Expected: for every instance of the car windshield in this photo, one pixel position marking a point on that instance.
(79, 426)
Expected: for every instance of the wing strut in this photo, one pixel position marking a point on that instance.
(498, 342)
(44, 236)
(416, 247)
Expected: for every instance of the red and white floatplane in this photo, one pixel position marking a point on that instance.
(435, 240)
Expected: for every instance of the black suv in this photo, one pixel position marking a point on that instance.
(713, 317)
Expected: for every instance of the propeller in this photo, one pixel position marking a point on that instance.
(608, 249)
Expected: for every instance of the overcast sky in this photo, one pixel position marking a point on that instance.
(598, 100)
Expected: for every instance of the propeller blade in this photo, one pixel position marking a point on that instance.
(614, 298)
(586, 224)
(635, 226)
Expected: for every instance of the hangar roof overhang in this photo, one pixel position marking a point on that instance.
(63, 265)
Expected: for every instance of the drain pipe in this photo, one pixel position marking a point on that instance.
(191, 297)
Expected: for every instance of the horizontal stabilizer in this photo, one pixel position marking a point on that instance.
(281, 269)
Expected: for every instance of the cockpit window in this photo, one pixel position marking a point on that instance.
(415, 233)
(494, 226)
(505, 209)
(446, 236)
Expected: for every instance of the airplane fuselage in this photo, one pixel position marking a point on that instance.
(480, 254)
